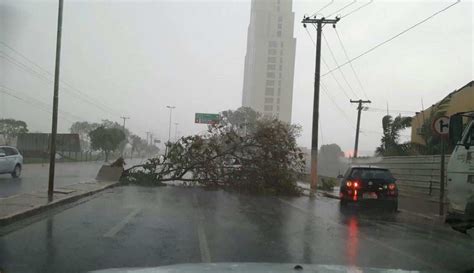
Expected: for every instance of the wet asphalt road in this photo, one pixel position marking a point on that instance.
(133, 226)
(34, 177)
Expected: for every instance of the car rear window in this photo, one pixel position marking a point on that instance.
(371, 174)
(10, 151)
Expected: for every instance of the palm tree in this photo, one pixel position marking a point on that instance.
(391, 133)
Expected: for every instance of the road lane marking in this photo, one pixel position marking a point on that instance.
(363, 236)
(203, 244)
(120, 225)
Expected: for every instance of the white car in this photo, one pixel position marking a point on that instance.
(11, 161)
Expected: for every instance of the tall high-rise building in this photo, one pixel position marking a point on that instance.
(270, 59)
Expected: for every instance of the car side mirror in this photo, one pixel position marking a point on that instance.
(340, 176)
(2, 154)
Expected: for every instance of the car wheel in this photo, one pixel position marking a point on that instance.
(343, 203)
(394, 206)
(17, 171)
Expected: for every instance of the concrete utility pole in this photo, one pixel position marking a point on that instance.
(169, 127)
(317, 75)
(54, 126)
(147, 137)
(359, 110)
(124, 119)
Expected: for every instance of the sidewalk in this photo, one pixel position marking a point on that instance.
(23, 205)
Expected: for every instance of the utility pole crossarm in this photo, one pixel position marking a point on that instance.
(308, 20)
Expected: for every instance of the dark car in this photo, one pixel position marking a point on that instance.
(369, 185)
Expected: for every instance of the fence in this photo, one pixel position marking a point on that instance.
(418, 175)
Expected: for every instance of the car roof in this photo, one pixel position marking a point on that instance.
(368, 167)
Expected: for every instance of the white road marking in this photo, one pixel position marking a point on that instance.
(120, 225)
(373, 240)
(203, 245)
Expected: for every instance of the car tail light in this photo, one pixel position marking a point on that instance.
(349, 183)
(391, 186)
(356, 184)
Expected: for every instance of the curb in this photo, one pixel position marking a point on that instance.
(42, 208)
(330, 195)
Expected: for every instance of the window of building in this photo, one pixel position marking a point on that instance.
(272, 60)
(281, 44)
(271, 66)
(279, 76)
(271, 75)
(270, 83)
(268, 100)
(269, 91)
(280, 18)
(272, 51)
(272, 44)
(279, 91)
(281, 52)
(268, 107)
(281, 67)
(278, 107)
(279, 33)
(279, 26)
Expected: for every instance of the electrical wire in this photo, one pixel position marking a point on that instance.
(391, 38)
(340, 70)
(327, 67)
(352, 67)
(321, 9)
(343, 8)
(80, 95)
(38, 104)
(357, 9)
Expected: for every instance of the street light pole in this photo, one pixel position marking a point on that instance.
(176, 131)
(54, 126)
(169, 127)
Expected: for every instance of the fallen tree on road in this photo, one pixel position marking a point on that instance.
(265, 160)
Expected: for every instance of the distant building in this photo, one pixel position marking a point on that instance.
(461, 100)
(270, 59)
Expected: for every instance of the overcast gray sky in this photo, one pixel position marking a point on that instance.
(135, 57)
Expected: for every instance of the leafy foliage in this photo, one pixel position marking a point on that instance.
(390, 145)
(106, 139)
(265, 160)
(329, 160)
(11, 128)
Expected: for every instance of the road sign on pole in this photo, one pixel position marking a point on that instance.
(441, 126)
(206, 118)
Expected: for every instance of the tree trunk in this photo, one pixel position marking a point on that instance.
(106, 156)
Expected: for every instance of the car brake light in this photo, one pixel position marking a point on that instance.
(391, 186)
(356, 184)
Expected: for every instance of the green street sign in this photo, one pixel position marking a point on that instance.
(206, 118)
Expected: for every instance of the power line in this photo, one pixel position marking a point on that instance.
(327, 67)
(326, 91)
(86, 98)
(32, 71)
(36, 102)
(391, 38)
(352, 67)
(344, 7)
(340, 70)
(353, 11)
(321, 9)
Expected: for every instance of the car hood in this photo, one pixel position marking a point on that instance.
(248, 268)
